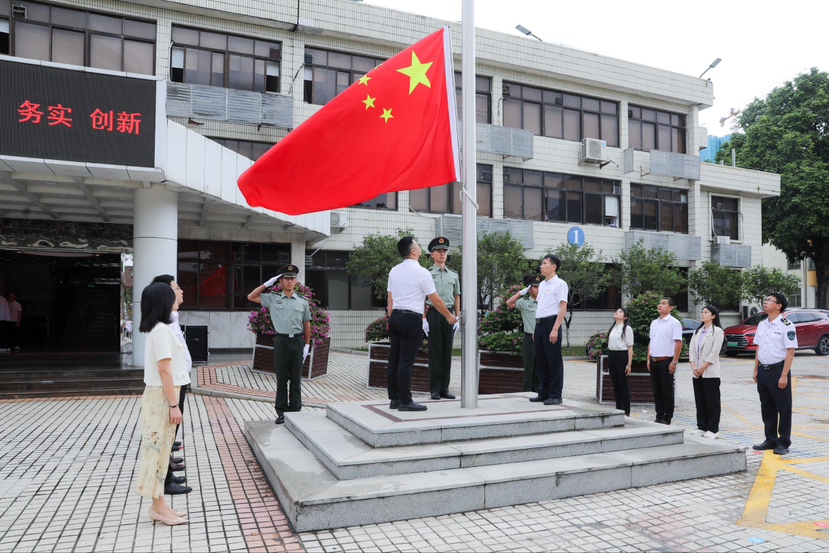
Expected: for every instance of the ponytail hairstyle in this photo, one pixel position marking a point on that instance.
(624, 323)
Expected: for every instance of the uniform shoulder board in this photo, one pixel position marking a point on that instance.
(300, 296)
(785, 321)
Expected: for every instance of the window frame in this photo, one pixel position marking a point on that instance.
(734, 218)
(637, 119)
(311, 67)
(652, 195)
(483, 92)
(454, 204)
(321, 267)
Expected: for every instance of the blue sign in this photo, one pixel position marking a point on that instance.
(575, 237)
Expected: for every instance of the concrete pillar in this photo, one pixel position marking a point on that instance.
(155, 249)
(298, 255)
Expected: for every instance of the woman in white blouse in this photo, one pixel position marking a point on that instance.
(619, 357)
(165, 372)
(704, 352)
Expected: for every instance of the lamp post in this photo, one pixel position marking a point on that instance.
(527, 32)
(714, 64)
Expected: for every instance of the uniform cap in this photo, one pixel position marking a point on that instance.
(439, 243)
(534, 280)
(288, 271)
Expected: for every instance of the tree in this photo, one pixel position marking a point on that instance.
(586, 276)
(501, 263)
(375, 258)
(788, 133)
(716, 285)
(759, 282)
(650, 270)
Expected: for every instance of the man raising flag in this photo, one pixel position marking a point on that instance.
(394, 129)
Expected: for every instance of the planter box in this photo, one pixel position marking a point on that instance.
(639, 383)
(378, 361)
(499, 372)
(315, 365)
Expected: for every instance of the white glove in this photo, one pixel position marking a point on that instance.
(305, 351)
(524, 291)
(457, 325)
(425, 327)
(270, 282)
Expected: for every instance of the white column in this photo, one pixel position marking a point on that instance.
(155, 247)
(298, 255)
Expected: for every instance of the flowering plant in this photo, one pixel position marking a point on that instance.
(596, 345)
(501, 329)
(260, 321)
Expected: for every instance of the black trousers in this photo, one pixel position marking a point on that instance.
(528, 356)
(616, 365)
(182, 394)
(707, 399)
(548, 360)
(662, 382)
(406, 336)
(775, 405)
(287, 360)
(440, 352)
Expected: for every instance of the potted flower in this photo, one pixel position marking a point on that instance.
(260, 323)
(377, 338)
(500, 365)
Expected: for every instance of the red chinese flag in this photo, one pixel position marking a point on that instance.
(394, 129)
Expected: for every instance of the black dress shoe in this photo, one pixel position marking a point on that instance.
(176, 460)
(780, 450)
(446, 395)
(176, 447)
(553, 401)
(411, 407)
(176, 468)
(176, 489)
(179, 479)
(539, 398)
(280, 419)
(764, 446)
(435, 396)
(176, 443)
(394, 404)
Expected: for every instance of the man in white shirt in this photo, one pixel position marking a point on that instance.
(776, 340)
(549, 316)
(663, 355)
(15, 318)
(409, 286)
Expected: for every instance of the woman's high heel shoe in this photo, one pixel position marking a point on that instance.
(169, 521)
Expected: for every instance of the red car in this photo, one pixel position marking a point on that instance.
(812, 326)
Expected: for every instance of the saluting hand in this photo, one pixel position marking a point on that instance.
(270, 282)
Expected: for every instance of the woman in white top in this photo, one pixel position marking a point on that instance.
(619, 357)
(704, 352)
(164, 374)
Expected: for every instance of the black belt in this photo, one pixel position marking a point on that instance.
(407, 312)
(771, 366)
(660, 359)
(546, 319)
(298, 335)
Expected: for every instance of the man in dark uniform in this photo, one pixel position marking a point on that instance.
(435, 325)
(291, 316)
(526, 301)
(776, 341)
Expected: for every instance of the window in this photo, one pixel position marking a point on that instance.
(329, 73)
(248, 148)
(609, 299)
(78, 37)
(447, 199)
(651, 129)
(228, 61)
(540, 196)
(795, 300)
(219, 275)
(726, 213)
(383, 201)
(560, 115)
(658, 208)
(795, 265)
(483, 98)
(334, 287)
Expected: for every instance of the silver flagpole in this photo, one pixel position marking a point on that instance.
(469, 288)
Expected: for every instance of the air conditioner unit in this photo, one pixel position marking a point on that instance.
(593, 150)
(723, 239)
(339, 220)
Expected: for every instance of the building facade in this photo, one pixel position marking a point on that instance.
(569, 143)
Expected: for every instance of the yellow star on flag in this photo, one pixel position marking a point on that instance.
(369, 101)
(387, 115)
(364, 80)
(417, 73)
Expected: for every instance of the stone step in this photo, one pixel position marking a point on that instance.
(497, 416)
(315, 499)
(348, 457)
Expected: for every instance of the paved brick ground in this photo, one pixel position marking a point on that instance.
(67, 476)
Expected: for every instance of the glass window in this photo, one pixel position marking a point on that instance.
(650, 129)
(383, 201)
(228, 61)
(329, 73)
(334, 287)
(658, 208)
(447, 198)
(483, 97)
(726, 216)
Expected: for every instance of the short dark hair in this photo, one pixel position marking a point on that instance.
(157, 301)
(554, 259)
(781, 299)
(404, 246)
(670, 301)
(165, 279)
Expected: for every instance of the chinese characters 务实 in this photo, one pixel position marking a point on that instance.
(109, 121)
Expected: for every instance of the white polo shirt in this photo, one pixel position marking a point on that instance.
(409, 284)
(773, 339)
(664, 333)
(551, 293)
